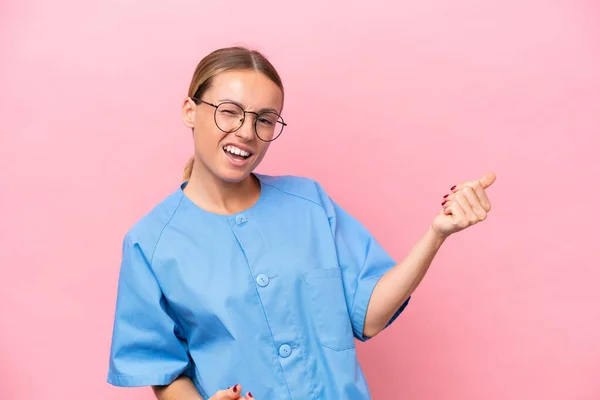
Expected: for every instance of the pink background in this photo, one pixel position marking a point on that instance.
(388, 106)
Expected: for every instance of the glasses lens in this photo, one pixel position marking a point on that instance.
(269, 126)
(229, 117)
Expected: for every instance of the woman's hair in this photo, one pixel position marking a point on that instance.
(226, 59)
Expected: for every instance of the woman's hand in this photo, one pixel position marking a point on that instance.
(232, 393)
(467, 205)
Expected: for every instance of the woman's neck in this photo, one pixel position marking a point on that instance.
(220, 197)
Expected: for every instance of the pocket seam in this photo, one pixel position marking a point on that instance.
(319, 274)
(341, 348)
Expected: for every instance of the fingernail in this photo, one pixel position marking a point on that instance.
(445, 196)
(235, 388)
(250, 395)
(444, 202)
(453, 187)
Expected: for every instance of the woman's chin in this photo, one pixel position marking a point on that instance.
(235, 176)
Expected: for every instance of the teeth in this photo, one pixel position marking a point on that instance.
(235, 150)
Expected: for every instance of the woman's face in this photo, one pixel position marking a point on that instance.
(215, 149)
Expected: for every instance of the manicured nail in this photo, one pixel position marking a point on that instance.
(444, 202)
(446, 196)
(250, 395)
(453, 187)
(235, 388)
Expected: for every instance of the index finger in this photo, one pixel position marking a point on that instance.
(231, 393)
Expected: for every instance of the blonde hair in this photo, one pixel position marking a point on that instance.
(225, 59)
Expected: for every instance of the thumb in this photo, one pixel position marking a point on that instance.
(487, 180)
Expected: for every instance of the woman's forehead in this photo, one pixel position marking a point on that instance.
(248, 87)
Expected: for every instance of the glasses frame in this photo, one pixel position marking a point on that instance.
(216, 106)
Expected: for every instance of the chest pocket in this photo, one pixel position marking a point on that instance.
(332, 321)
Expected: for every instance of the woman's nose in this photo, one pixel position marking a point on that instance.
(246, 131)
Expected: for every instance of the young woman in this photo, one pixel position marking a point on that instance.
(243, 280)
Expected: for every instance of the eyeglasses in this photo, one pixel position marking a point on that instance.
(229, 117)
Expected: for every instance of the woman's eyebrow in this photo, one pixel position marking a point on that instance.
(262, 110)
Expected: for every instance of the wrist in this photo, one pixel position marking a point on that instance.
(436, 237)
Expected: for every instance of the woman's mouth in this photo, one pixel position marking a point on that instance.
(237, 156)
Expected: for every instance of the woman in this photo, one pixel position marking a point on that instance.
(257, 281)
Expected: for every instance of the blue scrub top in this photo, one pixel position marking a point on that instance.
(271, 297)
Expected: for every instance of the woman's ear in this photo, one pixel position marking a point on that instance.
(188, 112)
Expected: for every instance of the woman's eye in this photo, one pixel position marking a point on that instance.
(265, 121)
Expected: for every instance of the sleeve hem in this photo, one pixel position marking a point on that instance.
(141, 380)
(361, 302)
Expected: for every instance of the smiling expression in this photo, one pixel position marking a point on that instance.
(231, 157)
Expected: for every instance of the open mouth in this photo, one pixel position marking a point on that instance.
(236, 153)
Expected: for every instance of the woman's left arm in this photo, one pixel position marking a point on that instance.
(467, 205)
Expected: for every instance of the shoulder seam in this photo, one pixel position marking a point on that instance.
(163, 229)
(295, 195)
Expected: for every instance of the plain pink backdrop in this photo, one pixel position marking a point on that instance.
(388, 104)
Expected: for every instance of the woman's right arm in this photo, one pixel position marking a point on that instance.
(136, 359)
(181, 389)
(145, 351)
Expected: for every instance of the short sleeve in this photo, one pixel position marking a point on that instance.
(362, 260)
(147, 346)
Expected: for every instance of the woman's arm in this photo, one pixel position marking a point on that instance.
(398, 283)
(181, 389)
(466, 206)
